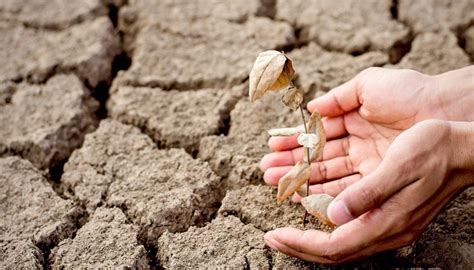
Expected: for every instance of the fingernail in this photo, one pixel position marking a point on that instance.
(338, 212)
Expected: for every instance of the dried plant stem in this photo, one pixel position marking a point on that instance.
(309, 161)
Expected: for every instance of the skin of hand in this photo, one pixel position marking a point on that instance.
(363, 117)
(422, 170)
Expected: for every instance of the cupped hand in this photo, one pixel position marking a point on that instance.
(391, 205)
(362, 118)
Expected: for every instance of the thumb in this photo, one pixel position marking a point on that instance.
(338, 101)
(366, 194)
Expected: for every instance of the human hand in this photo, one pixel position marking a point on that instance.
(362, 117)
(421, 171)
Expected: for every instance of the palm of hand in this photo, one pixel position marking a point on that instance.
(363, 118)
(366, 144)
(344, 161)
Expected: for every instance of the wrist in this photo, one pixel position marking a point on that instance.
(451, 95)
(462, 147)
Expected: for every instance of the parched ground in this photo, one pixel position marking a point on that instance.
(127, 139)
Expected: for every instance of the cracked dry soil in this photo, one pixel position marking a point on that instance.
(127, 139)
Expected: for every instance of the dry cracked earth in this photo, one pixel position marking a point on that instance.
(127, 139)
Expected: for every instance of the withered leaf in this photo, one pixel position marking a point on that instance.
(315, 125)
(302, 191)
(292, 98)
(291, 181)
(317, 205)
(283, 131)
(271, 71)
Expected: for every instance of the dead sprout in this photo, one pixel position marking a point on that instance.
(273, 71)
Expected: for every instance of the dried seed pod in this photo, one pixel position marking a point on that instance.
(292, 98)
(291, 182)
(271, 71)
(317, 205)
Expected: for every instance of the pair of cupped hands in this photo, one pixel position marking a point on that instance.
(399, 149)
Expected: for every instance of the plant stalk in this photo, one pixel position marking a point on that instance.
(308, 159)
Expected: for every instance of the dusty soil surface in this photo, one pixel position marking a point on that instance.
(127, 139)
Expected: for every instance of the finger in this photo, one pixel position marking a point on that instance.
(394, 235)
(335, 187)
(294, 248)
(346, 240)
(282, 143)
(307, 245)
(279, 159)
(338, 101)
(359, 238)
(362, 236)
(393, 242)
(367, 193)
(420, 202)
(332, 188)
(332, 149)
(334, 127)
(358, 234)
(282, 247)
(320, 171)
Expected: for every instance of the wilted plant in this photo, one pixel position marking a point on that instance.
(273, 71)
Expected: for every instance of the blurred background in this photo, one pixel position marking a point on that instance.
(112, 103)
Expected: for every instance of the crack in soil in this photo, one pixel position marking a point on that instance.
(401, 47)
(101, 93)
(460, 35)
(151, 251)
(394, 9)
(79, 221)
(121, 61)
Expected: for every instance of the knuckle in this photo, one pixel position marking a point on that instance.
(346, 145)
(322, 170)
(348, 164)
(341, 185)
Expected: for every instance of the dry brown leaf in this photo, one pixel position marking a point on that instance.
(292, 98)
(291, 181)
(283, 131)
(315, 125)
(302, 191)
(317, 205)
(271, 71)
